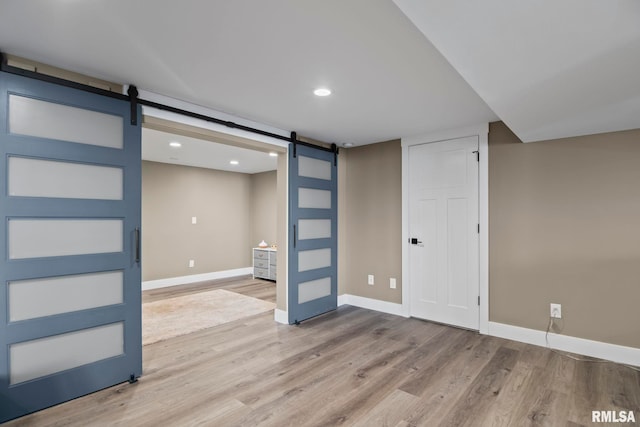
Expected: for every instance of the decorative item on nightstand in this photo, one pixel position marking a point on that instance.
(263, 244)
(264, 263)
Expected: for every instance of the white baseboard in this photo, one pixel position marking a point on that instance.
(601, 350)
(183, 280)
(281, 316)
(371, 304)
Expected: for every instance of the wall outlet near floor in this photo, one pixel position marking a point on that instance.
(192, 263)
(370, 279)
(556, 311)
(392, 283)
(194, 220)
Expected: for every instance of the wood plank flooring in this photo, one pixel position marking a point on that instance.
(256, 288)
(351, 367)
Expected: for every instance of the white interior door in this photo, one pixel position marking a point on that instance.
(443, 230)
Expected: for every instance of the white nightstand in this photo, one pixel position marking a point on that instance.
(264, 263)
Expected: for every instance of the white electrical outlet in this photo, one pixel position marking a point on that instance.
(392, 283)
(370, 279)
(194, 220)
(556, 311)
(192, 263)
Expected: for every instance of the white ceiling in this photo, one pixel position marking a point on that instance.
(259, 60)
(203, 154)
(547, 68)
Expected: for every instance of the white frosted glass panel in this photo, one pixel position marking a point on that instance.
(46, 178)
(29, 299)
(35, 238)
(314, 168)
(45, 356)
(314, 259)
(308, 291)
(312, 198)
(44, 119)
(314, 229)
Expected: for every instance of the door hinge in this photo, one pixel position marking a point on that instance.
(477, 155)
(478, 228)
(478, 299)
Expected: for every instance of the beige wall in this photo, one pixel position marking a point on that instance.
(563, 217)
(564, 220)
(223, 204)
(371, 220)
(264, 208)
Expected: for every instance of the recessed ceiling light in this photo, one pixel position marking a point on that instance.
(234, 162)
(347, 144)
(175, 144)
(272, 154)
(322, 92)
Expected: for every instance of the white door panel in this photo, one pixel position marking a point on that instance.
(443, 221)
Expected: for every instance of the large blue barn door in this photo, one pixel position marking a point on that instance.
(313, 234)
(70, 305)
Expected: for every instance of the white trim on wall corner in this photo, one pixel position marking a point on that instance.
(281, 316)
(371, 304)
(183, 280)
(342, 300)
(601, 350)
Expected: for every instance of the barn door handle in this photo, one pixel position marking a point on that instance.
(137, 232)
(294, 236)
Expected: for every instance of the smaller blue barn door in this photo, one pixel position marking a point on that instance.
(70, 306)
(313, 232)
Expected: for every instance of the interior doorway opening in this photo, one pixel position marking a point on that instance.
(188, 259)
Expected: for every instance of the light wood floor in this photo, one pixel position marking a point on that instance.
(256, 288)
(351, 367)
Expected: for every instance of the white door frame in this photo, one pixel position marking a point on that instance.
(482, 132)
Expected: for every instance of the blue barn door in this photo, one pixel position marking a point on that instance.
(70, 321)
(313, 234)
